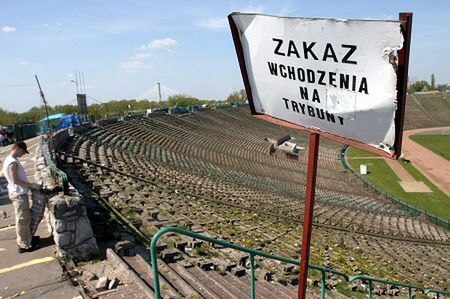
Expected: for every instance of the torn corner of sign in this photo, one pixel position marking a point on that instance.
(340, 101)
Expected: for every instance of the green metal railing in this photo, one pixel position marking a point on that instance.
(55, 172)
(405, 206)
(371, 280)
(253, 253)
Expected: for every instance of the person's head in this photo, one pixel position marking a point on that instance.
(19, 149)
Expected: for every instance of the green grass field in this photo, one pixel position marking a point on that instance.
(382, 176)
(356, 152)
(440, 144)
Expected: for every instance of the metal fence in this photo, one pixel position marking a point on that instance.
(57, 174)
(445, 223)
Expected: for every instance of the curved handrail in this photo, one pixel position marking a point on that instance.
(254, 253)
(251, 252)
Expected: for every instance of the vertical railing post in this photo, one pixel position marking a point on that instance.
(313, 153)
(370, 289)
(252, 269)
(409, 293)
(155, 271)
(323, 284)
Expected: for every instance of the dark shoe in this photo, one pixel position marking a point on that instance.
(35, 241)
(23, 250)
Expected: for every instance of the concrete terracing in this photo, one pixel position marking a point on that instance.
(36, 274)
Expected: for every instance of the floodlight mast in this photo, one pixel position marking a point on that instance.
(45, 102)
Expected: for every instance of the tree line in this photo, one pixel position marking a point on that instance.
(114, 108)
(422, 85)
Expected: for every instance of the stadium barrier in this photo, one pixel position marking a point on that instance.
(394, 200)
(57, 174)
(252, 253)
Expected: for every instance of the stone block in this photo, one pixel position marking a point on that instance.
(70, 226)
(101, 284)
(88, 276)
(161, 246)
(87, 250)
(243, 260)
(63, 239)
(180, 245)
(60, 225)
(195, 244)
(83, 230)
(122, 248)
(238, 271)
(268, 276)
(205, 265)
(229, 265)
(288, 269)
(168, 255)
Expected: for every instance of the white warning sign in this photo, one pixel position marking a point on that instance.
(337, 76)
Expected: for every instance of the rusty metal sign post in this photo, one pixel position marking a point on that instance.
(246, 66)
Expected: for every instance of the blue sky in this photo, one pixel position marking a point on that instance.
(125, 47)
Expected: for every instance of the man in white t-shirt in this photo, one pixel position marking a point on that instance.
(18, 188)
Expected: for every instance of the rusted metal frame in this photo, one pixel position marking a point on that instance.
(313, 154)
(402, 80)
(242, 66)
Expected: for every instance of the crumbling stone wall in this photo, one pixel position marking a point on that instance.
(66, 217)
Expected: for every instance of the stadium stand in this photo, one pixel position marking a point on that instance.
(212, 172)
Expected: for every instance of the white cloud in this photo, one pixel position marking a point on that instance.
(8, 29)
(23, 62)
(159, 43)
(213, 23)
(132, 66)
(141, 56)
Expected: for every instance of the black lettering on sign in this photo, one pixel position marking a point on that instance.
(363, 86)
(292, 49)
(332, 78)
(273, 68)
(277, 48)
(303, 107)
(316, 96)
(322, 76)
(352, 49)
(329, 52)
(308, 49)
(304, 93)
(343, 81)
(294, 106)
(312, 111)
(286, 103)
(283, 71)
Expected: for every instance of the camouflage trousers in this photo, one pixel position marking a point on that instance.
(27, 220)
